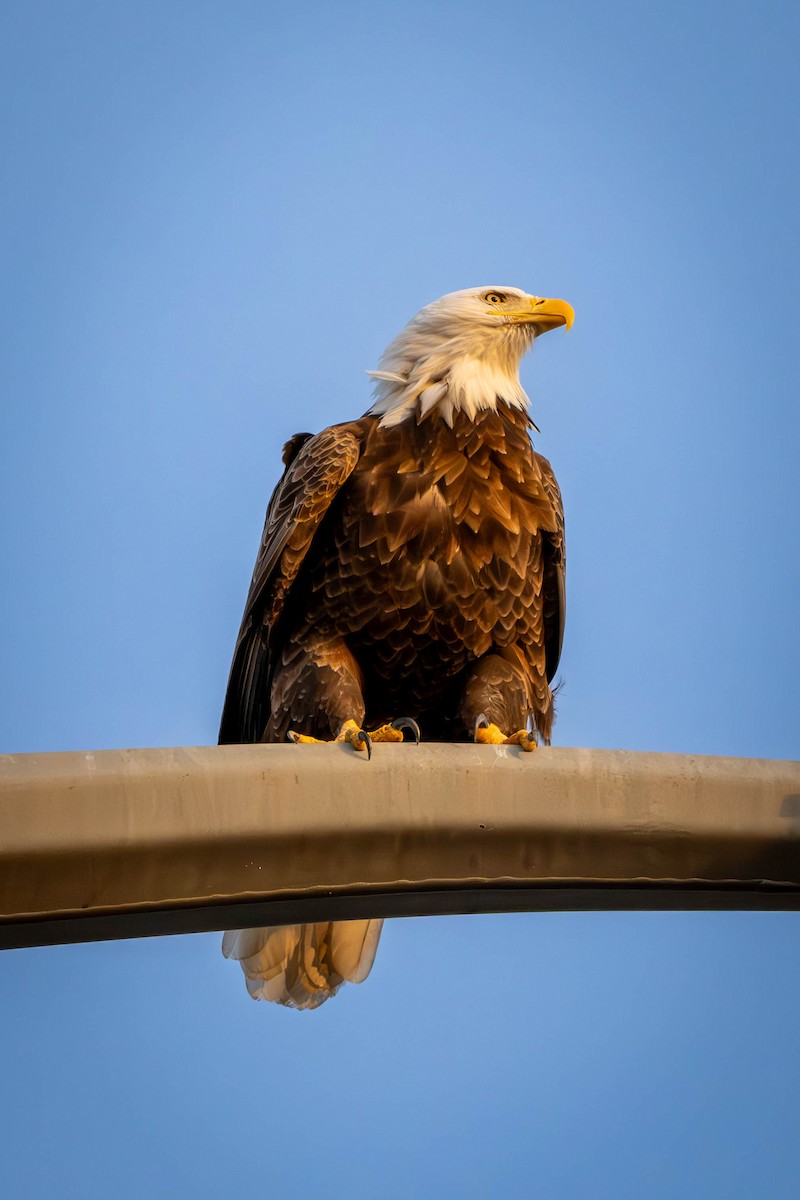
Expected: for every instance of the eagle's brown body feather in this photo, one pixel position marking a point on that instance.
(412, 570)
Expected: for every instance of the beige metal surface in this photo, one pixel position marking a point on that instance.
(132, 842)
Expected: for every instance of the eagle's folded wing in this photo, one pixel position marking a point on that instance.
(555, 564)
(316, 469)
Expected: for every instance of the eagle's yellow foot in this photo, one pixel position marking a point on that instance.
(350, 732)
(394, 731)
(487, 734)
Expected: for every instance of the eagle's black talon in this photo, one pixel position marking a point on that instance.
(362, 737)
(407, 723)
(481, 722)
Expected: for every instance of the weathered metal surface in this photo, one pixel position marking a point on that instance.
(134, 842)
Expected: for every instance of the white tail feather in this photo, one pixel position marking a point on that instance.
(302, 966)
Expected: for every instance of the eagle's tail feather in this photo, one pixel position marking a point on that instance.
(302, 966)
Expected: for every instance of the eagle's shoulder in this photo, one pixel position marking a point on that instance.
(317, 465)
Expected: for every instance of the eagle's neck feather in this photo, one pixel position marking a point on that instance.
(468, 373)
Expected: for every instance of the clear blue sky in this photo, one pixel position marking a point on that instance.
(213, 217)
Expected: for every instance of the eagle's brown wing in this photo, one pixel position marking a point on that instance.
(555, 561)
(316, 468)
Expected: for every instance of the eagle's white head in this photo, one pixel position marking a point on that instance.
(462, 354)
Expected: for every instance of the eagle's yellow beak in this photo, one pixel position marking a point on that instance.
(549, 314)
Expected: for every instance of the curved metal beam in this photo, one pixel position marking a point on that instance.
(128, 843)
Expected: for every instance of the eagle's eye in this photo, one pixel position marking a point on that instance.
(494, 297)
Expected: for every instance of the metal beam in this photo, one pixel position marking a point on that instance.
(129, 843)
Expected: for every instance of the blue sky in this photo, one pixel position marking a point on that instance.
(213, 219)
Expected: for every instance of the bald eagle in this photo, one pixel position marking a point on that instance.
(411, 571)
